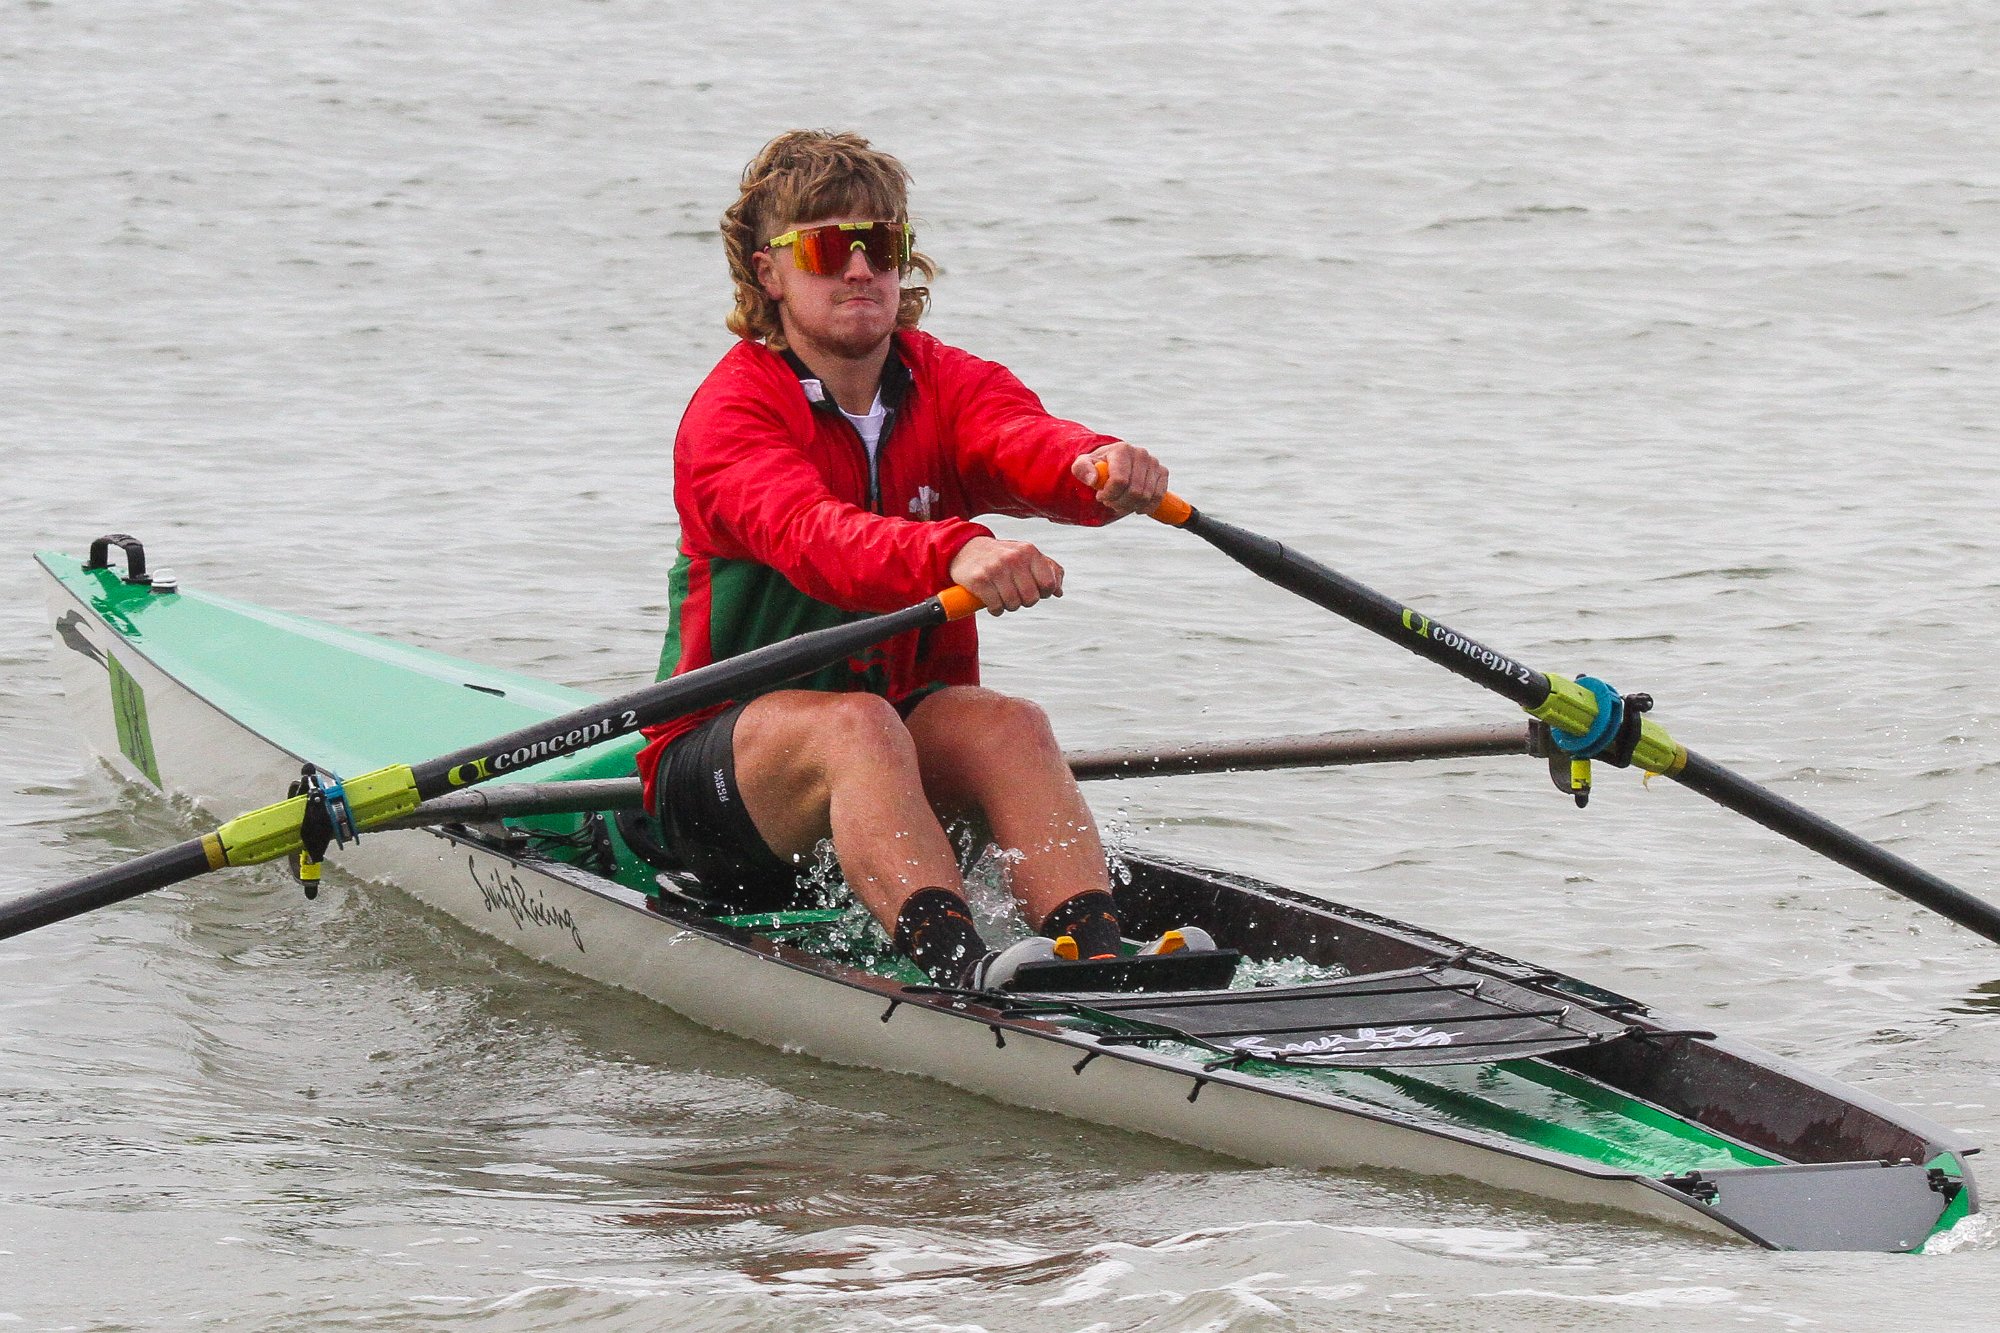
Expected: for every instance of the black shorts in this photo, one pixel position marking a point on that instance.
(706, 829)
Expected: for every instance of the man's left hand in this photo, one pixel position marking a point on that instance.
(1135, 482)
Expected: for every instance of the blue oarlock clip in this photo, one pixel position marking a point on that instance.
(333, 796)
(1603, 731)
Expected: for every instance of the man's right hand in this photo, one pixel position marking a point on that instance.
(1005, 575)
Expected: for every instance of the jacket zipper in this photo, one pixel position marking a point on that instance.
(874, 460)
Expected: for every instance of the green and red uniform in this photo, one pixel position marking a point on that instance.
(787, 527)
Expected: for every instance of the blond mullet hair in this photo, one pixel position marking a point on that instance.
(805, 176)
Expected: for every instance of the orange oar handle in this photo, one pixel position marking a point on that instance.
(958, 603)
(1172, 511)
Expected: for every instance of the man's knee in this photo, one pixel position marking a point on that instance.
(991, 728)
(865, 725)
(825, 731)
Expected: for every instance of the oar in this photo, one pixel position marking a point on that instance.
(1325, 749)
(373, 799)
(1574, 709)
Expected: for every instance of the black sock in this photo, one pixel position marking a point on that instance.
(934, 928)
(1091, 919)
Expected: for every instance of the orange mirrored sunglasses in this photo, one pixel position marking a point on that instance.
(825, 249)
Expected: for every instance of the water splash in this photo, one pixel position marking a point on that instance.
(1974, 1233)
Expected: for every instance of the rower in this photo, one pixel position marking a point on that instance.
(832, 465)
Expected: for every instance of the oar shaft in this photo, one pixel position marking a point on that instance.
(1343, 596)
(1822, 835)
(1273, 560)
(155, 870)
(586, 727)
(394, 792)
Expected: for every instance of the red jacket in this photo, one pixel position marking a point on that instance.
(783, 528)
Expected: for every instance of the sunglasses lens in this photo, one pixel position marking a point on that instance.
(819, 250)
(825, 250)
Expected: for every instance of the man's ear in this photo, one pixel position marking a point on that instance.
(766, 270)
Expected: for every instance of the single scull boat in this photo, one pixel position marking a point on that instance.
(1347, 1040)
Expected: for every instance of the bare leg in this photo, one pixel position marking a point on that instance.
(813, 765)
(987, 754)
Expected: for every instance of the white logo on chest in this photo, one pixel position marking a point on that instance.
(926, 497)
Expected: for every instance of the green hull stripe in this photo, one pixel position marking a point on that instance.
(1533, 1103)
(128, 708)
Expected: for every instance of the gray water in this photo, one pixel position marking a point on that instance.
(1654, 341)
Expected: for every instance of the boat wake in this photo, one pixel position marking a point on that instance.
(1974, 1234)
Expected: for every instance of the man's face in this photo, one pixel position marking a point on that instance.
(849, 313)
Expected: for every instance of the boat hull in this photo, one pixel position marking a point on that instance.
(160, 719)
